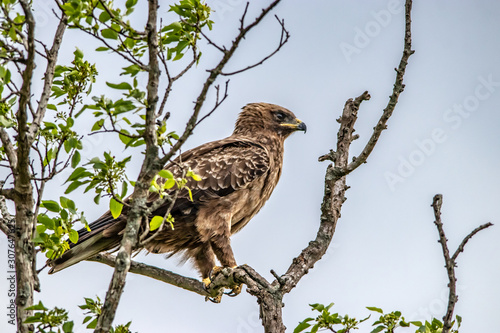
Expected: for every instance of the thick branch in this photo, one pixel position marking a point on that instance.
(156, 273)
(25, 254)
(141, 191)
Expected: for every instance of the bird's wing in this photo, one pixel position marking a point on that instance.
(224, 167)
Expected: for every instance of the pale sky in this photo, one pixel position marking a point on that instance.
(442, 138)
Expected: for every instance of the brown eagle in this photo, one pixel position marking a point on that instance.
(238, 175)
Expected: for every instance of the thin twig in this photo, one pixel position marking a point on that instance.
(217, 102)
(285, 35)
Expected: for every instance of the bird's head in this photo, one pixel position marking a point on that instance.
(256, 118)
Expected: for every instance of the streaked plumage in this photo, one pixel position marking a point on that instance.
(238, 175)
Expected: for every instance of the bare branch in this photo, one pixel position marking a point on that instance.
(466, 239)
(335, 185)
(217, 102)
(285, 35)
(450, 262)
(393, 100)
(156, 273)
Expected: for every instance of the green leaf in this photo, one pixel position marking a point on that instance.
(122, 86)
(301, 326)
(130, 3)
(378, 329)
(51, 107)
(73, 236)
(109, 34)
(78, 53)
(98, 124)
(37, 307)
(68, 327)
(124, 189)
(51, 205)
(169, 184)
(317, 306)
(104, 16)
(73, 186)
(155, 222)
(115, 207)
(78, 173)
(101, 49)
(75, 159)
(165, 174)
(372, 308)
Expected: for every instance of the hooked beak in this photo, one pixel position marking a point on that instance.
(298, 125)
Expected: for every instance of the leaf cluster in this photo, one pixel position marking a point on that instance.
(328, 321)
(386, 323)
(177, 36)
(50, 321)
(52, 233)
(72, 81)
(56, 320)
(103, 175)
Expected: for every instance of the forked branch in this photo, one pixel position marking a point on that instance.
(450, 261)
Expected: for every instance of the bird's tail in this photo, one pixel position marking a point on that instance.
(82, 251)
(105, 235)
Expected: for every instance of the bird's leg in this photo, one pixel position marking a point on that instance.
(221, 245)
(214, 228)
(205, 261)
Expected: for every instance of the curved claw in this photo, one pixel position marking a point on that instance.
(215, 270)
(235, 291)
(216, 299)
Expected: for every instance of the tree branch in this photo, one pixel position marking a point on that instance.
(7, 220)
(48, 78)
(393, 100)
(9, 148)
(141, 191)
(335, 185)
(285, 35)
(26, 278)
(156, 273)
(450, 262)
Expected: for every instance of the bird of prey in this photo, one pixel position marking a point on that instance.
(238, 175)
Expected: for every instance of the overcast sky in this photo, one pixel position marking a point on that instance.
(443, 138)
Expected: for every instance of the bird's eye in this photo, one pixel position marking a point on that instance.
(280, 116)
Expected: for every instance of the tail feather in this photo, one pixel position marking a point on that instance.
(82, 251)
(105, 236)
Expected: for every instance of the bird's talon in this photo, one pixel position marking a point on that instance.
(216, 299)
(215, 270)
(235, 291)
